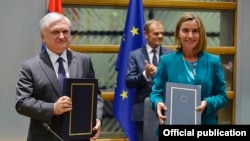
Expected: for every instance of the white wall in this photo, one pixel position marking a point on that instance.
(19, 38)
(243, 64)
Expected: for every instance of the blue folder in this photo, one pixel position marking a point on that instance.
(181, 100)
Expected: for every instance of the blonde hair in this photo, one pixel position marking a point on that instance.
(202, 44)
(149, 23)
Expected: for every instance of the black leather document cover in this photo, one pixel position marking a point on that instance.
(181, 100)
(78, 123)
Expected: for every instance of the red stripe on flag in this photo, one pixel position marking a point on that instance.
(55, 6)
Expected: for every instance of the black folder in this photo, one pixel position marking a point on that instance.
(78, 123)
(181, 101)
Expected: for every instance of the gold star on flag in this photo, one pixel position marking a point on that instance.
(124, 94)
(134, 31)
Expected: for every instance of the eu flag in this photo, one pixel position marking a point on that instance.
(132, 39)
(53, 6)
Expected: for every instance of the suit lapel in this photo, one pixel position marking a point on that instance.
(180, 69)
(48, 70)
(145, 54)
(72, 63)
(162, 51)
(201, 69)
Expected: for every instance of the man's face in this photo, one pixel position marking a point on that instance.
(155, 35)
(57, 36)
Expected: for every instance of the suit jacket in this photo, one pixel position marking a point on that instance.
(38, 88)
(209, 74)
(135, 79)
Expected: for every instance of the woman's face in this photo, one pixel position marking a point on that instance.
(189, 34)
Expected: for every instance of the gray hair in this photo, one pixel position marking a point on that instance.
(50, 18)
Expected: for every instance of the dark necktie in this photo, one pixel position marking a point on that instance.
(61, 71)
(154, 60)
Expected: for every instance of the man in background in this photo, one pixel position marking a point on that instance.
(142, 67)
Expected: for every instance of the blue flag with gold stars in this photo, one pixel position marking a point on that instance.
(132, 39)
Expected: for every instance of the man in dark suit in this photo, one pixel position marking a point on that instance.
(141, 69)
(38, 93)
